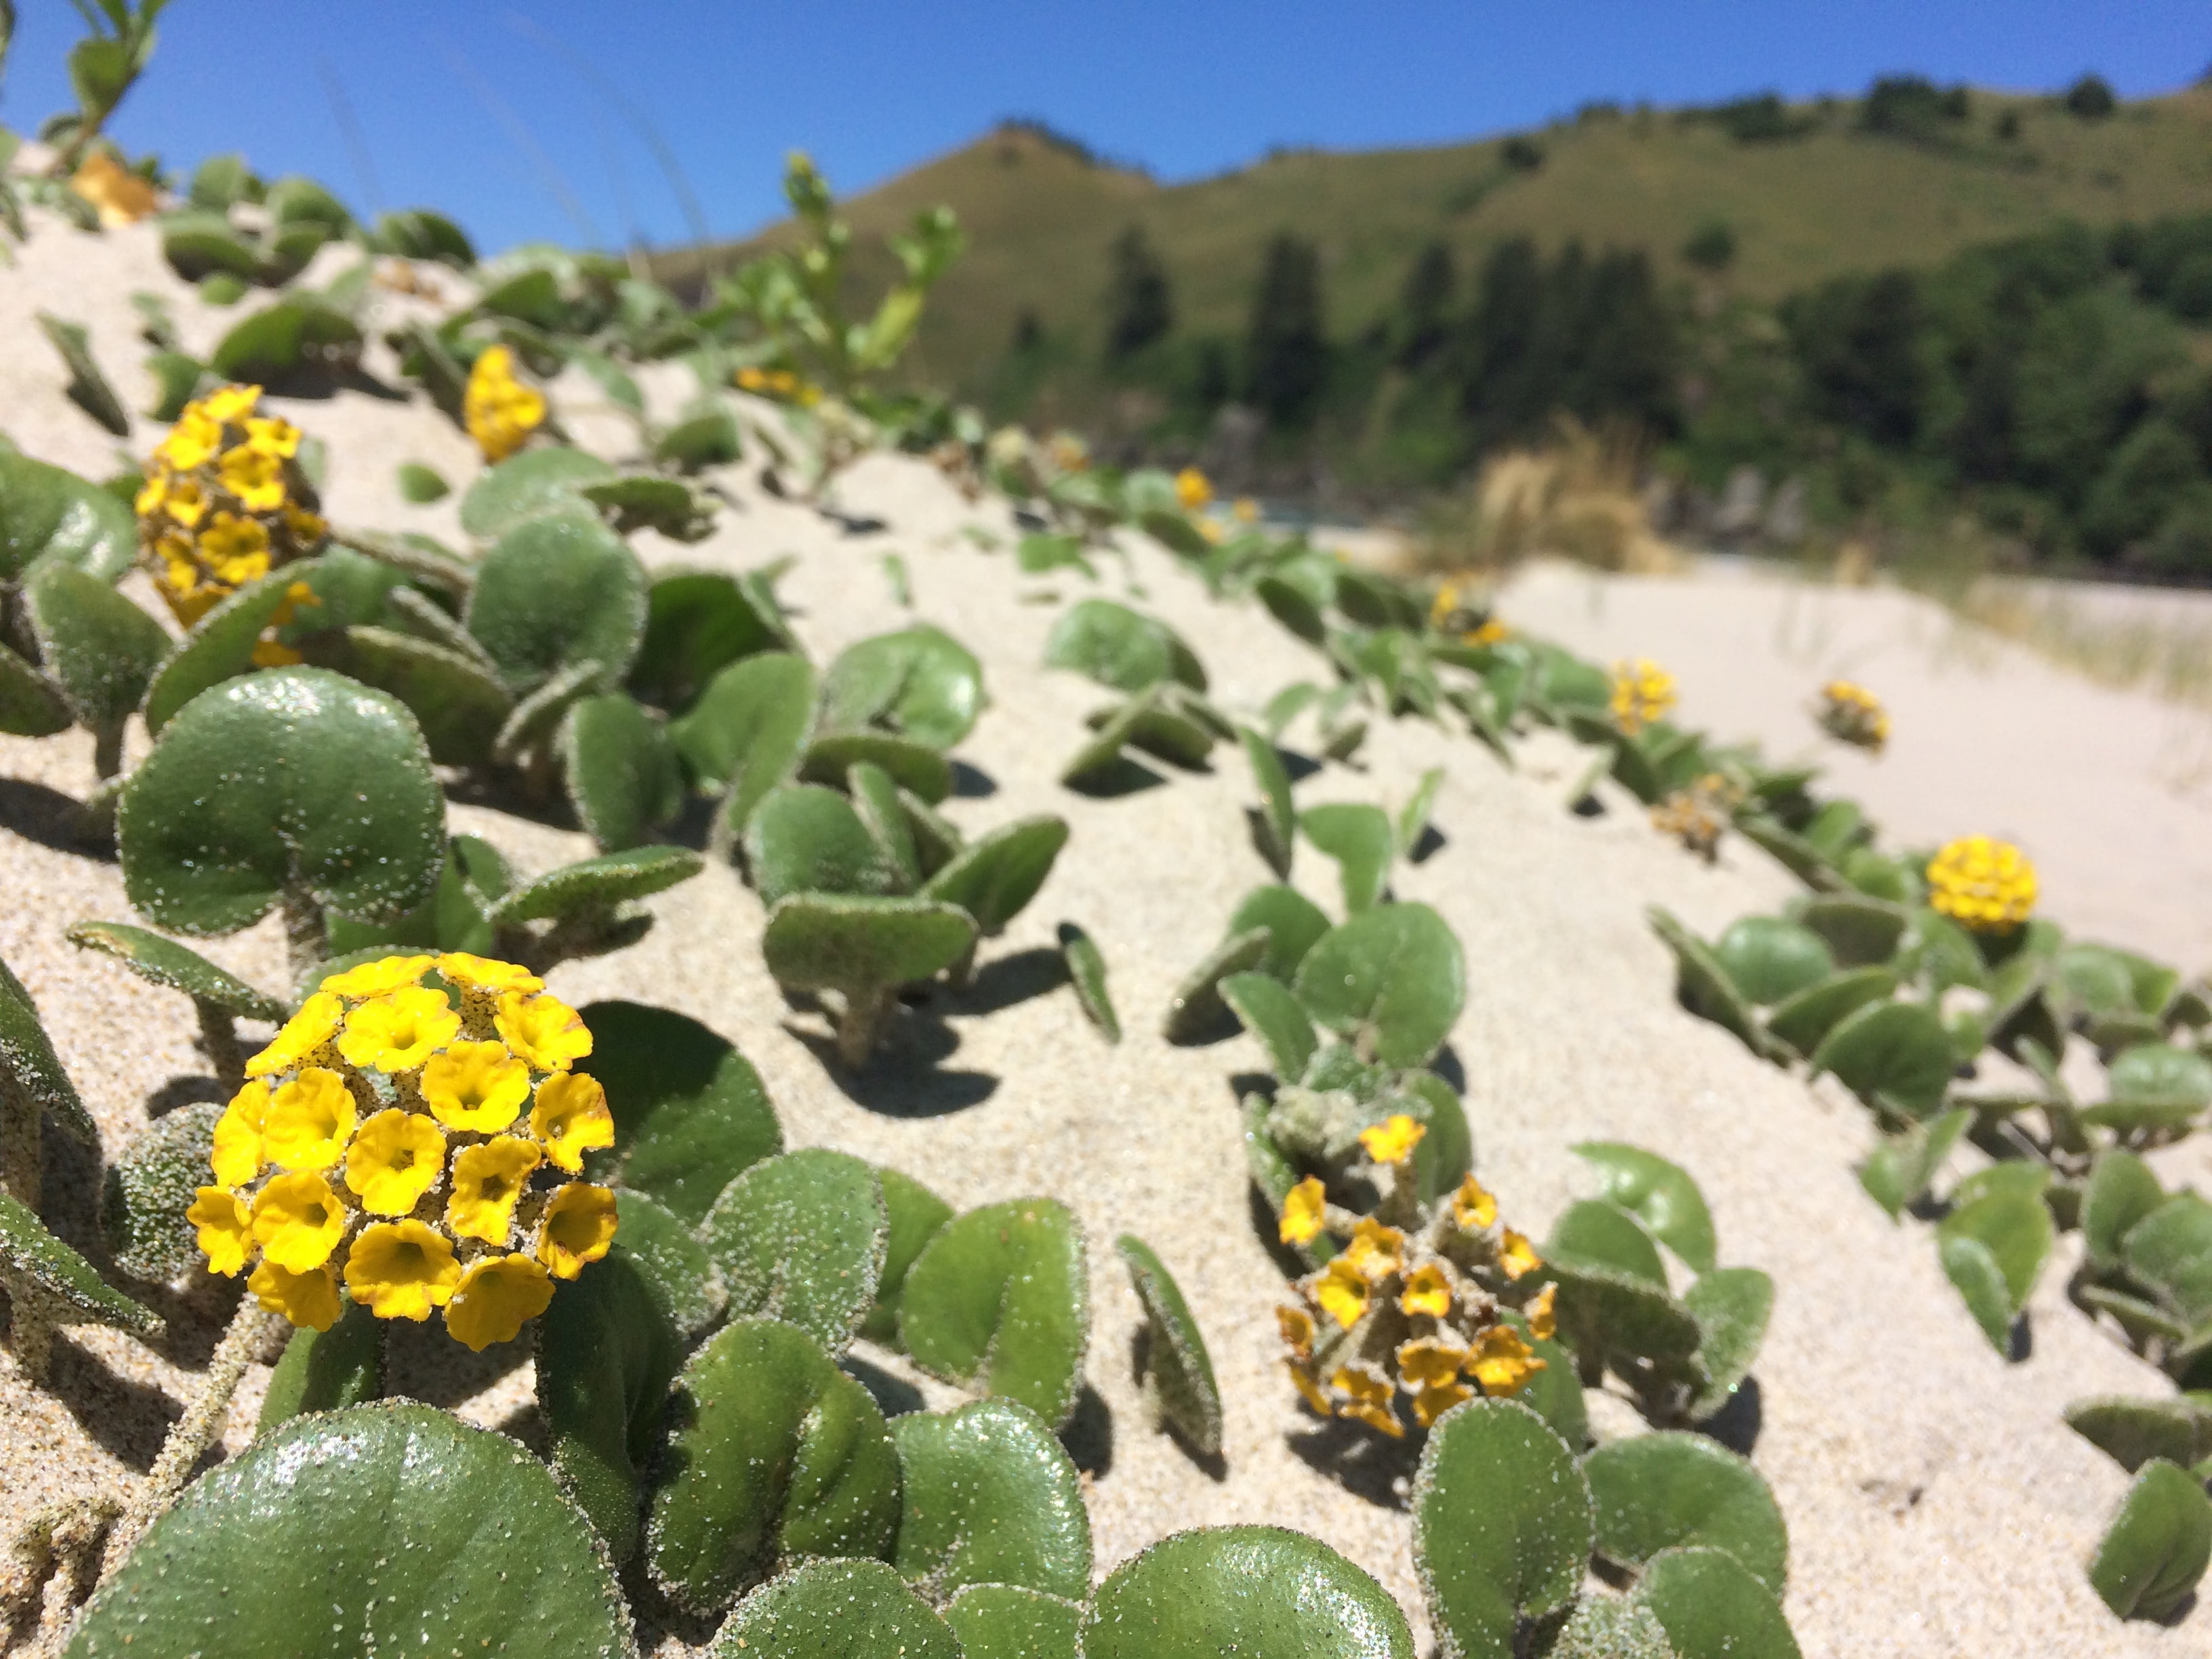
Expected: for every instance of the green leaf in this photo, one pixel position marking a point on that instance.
(1662, 1195)
(1612, 1627)
(1265, 1007)
(1263, 1592)
(250, 1548)
(1659, 1491)
(1391, 980)
(198, 245)
(1769, 960)
(1554, 1394)
(1712, 1606)
(1503, 1526)
(31, 705)
(1940, 953)
(1593, 1232)
(50, 516)
(2132, 1431)
(1275, 824)
(2157, 1546)
(691, 1114)
(807, 839)
(1803, 1020)
(553, 592)
(697, 623)
(989, 1497)
(219, 646)
(772, 1453)
(861, 946)
(1196, 1006)
(1973, 1268)
(746, 733)
(915, 1214)
(1004, 1621)
(87, 387)
(1294, 922)
(1120, 647)
(422, 484)
(531, 296)
(163, 962)
(1702, 985)
(292, 780)
(875, 798)
(31, 1258)
(1896, 1172)
(2121, 1191)
(835, 1610)
(1360, 839)
(2014, 1227)
(274, 344)
(326, 1370)
(669, 1253)
(295, 200)
(1862, 932)
(1177, 1367)
(621, 769)
(176, 380)
(1086, 969)
(705, 437)
(999, 1300)
(919, 682)
(150, 1187)
(1446, 1154)
(460, 707)
(800, 1238)
(643, 500)
(597, 884)
(917, 767)
(28, 1058)
(1896, 1052)
(993, 878)
(2159, 1075)
(2170, 1251)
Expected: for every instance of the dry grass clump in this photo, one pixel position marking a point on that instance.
(1575, 498)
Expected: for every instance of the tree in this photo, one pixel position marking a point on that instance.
(2091, 98)
(1711, 246)
(1425, 304)
(1139, 305)
(1286, 357)
(1856, 339)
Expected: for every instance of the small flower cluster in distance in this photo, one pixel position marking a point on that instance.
(1643, 692)
(1851, 714)
(1988, 885)
(780, 384)
(1415, 1307)
(499, 410)
(1696, 816)
(224, 503)
(1449, 613)
(416, 1152)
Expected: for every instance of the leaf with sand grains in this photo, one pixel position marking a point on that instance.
(919, 682)
(1004, 1621)
(1656, 1492)
(621, 770)
(697, 623)
(1391, 980)
(1178, 1371)
(1120, 647)
(524, 486)
(988, 1496)
(835, 1610)
(999, 1300)
(2150, 1560)
(864, 948)
(1242, 1590)
(555, 591)
(801, 1238)
(1713, 1606)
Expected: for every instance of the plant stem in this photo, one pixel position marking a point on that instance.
(307, 939)
(34, 1317)
(108, 750)
(863, 1019)
(219, 1039)
(18, 1142)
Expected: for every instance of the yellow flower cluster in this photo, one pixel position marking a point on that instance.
(1987, 884)
(1643, 692)
(1851, 714)
(499, 410)
(224, 503)
(394, 1141)
(1450, 613)
(1193, 489)
(120, 196)
(1696, 816)
(780, 384)
(1414, 1309)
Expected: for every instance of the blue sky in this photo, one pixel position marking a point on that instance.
(463, 104)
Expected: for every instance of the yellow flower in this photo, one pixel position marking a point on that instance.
(120, 196)
(254, 476)
(1542, 1319)
(1472, 1207)
(1303, 1380)
(1502, 1362)
(238, 1157)
(1642, 692)
(1441, 606)
(1429, 1363)
(571, 1117)
(1297, 1328)
(1392, 1141)
(230, 404)
(500, 412)
(1368, 1397)
(185, 502)
(152, 493)
(236, 549)
(1429, 1404)
(1493, 632)
(478, 1086)
(1193, 489)
(1247, 510)
(305, 528)
(401, 1269)
(1518, 1256)
(579, 1225)
(495, 1298)
(380, 978)
(315, 1025)
(488, 1179)
(399, 1032)
(280, 439)
(1376, 1251)
(1988, 885)
(1427, 1291)
(226, 1228)
(1342, 1292)
(484, 973)
(308, 1121)
(1303, 1212)
(192, 441)
(544, 1029)
(396, 1158)
(274, 653)
(298, 1221)
(309, 1299)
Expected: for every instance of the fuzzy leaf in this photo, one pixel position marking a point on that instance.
(1196, 1008)
(1392, 981)
(835, 1610)
(326, 1370)
(2157, 1546)
(800, 1238)
(2132, 1431)
(807, 839)
(27, 1057)
(1004, 1621)
(459, 705)
(1703, 986)
(1658, 1491)
(1803, 1020)
(1180, 1369)
(915, 1214)
(993, 878)
(88, 387)
(746, 733)
(1894, 1052)
(697, 623)
(919, 682)
(1266, 1008)
(1119, 648)
(1896, 1172)
(1860, 932)
(999, 1300)
(219, 646)
(150, 1187)
(621, 772)
(276, 342)
(1361, 841)
(1265, 1591)
(524, 486)
(916, 766)
(31, 705)
(33, 1256)
(1973, 1268)
(989, 1497)
(1275, 827)
(599, 884)
(1713, 1606)
(1770, 960)
(1294, 922)
(2121, 1191)
(2014, 1227)
(99, 648)
(553, 592)
(1662, 1195)
(2170, 1251)
(1086, 969)
(49, 516)
(861, 946)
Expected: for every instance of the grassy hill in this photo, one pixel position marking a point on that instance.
(1835, 199)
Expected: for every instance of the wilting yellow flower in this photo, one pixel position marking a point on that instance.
(1518, 1256)
(495, 1298)
(1988, 885)
(308, 1299)
(1376, 1251)
(238, 1156)
(1542, 1319)
(1698, 816)
(1428, 1362)
(308, 1121)
(401, 1270)
(500, 412)
(255, 476)
(1305, 1210)
(1193, 489)
(482, 974)
(1342, 1292)
(488, 1180)
(396, 1158)
(1642, 692)
(1427, 1291)
(193, 440)
(1392, 1141)
(274, 437)
(571, 1117)
(1310, 1389)
(226, 1229)
(298, 1221)
(477, 1086)
(1429, 1404)
(120, 196)
(1502, 1362)
(1473, 1206)
(1296, 1326)
(1368, 1397)
(544, 1029)
(1851, 714)
(380, 978)
(315, 1025)
(399, 1032)
(579, 1225)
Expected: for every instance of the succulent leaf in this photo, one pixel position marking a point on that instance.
(801, 1238)
(999, 1300)
(99, 649)
(1732, 1306)
(1658, 1492)
(919, 682)
(621, 769)
(995, 876)
(835, 1610)
(916, 766)
(989, 1497)
(1770, 959)
(27, 1059)
(326, 1370)
(524, 486)
(1895, 1054)
(697, 623)
(553, 592)
(1712, 1606)
(1180, 1369)
(1004, 1621)
(747, 730)
(1196, 1009)
(1391, 980)
(1242, 1590)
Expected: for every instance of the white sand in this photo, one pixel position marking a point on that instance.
(1937, 1506)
